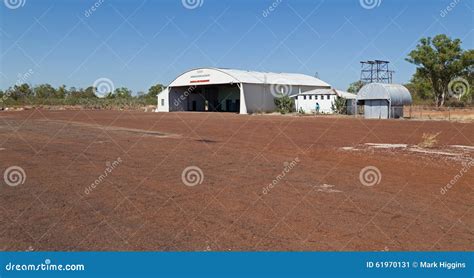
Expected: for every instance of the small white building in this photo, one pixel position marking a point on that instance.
(230, 90)
(324, 97)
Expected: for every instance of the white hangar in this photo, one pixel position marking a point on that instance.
(231, 90)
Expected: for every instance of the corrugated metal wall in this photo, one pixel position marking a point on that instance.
(376, 109)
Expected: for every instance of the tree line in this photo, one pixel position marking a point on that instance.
(21, 94)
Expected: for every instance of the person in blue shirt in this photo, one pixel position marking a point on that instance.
(317, 107)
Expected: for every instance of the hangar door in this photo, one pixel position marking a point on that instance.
(209, 98)
(376, 109)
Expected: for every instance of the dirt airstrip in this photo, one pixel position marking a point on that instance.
(121, 180)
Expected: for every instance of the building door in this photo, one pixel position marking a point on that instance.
(383, 108)
(376, 109)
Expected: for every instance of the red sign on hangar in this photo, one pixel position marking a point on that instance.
(200, 81)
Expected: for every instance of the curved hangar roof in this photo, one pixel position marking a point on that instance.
(395, 93)
(210, 76)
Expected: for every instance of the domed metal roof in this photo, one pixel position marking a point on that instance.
(395, 93)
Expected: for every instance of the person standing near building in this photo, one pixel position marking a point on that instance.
(317, 107)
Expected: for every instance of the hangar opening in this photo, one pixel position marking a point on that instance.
(231, 90)
(205, 98)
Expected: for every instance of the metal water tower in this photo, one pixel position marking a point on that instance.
(375, 72)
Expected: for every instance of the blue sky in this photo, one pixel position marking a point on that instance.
(140, 43)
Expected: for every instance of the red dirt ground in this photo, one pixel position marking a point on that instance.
(142, 204)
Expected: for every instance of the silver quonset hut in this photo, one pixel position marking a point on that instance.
(231, 90)
(383, 101)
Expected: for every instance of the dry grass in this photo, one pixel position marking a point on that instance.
(429, 140)
(440, 114)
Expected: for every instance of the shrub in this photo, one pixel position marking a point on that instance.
(339, 105)
(284, 104)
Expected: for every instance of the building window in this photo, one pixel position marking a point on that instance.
(162, 102)
(328, 96)
(310, 97)
(316, 97)
(304, 97)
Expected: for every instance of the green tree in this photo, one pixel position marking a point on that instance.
(155, 90)
(21, 91)
(284, 104)
(72, 93)
(355, 87)
(339, 105)
(81, 93)
(121, 93)
(468, 97)
(441, 59)
(420, 87)
(89, 92)
(61, 92)
(44, 91)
